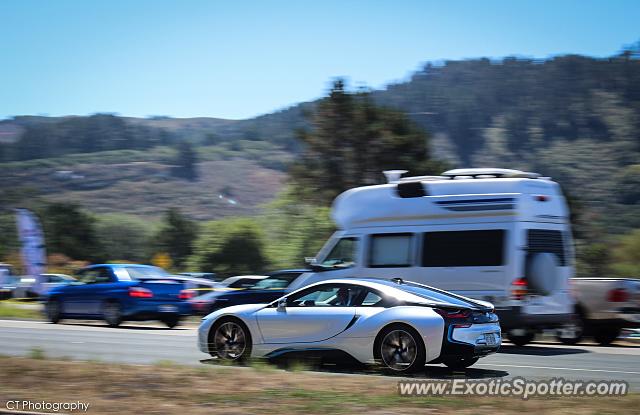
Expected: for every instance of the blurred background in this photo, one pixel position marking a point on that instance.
(203, 136)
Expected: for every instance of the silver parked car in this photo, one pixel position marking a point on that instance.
(401, 325)
(27, 287)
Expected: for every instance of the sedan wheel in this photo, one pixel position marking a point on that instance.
(231, 341)
(53, 311)
(401, 350)
(112, 313)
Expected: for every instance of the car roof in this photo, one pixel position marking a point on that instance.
(122, 265)
(396, 289)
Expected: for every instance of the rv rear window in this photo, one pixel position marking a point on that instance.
(463, 248)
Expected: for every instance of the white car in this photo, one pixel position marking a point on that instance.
(28, 288)
(401, 325)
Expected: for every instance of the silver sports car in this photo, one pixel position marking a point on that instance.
(400, 325)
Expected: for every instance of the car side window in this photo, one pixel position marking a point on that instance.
(372, 299)
(104, 275)
(87, 276)
(334, 295)
(95, 275)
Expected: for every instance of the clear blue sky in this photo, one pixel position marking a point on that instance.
(237, 59)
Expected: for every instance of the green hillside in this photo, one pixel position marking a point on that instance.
(574, 118)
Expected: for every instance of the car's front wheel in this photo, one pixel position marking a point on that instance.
(230, 340)
(400, 349)
(53, 310)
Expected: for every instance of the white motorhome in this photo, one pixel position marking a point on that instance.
(493, 234)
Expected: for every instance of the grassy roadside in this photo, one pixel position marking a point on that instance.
(171, 389)
(11, 309)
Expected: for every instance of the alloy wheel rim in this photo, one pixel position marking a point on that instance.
(398, 350)
(230, 341)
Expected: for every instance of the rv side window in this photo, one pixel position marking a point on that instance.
(390, 250)
(463, 248)
(343, 253)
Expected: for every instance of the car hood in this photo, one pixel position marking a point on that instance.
(240, 310)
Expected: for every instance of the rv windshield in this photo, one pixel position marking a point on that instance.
(343, 254)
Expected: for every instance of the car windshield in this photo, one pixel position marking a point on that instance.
(271, 283)
(141, 273)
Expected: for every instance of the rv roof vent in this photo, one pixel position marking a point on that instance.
(410, 189)
(393, 175)
(489, 174)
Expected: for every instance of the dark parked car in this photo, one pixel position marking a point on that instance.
(265, 290)
(120, 292)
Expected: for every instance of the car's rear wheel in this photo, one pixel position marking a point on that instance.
(112, 313)
(53, 310)
(460, 362)
(171, 321)
(400, 349)
(230, 340)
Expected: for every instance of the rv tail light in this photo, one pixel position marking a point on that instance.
(542, 198)
(519, 289)
(618, 295)
(139, 292)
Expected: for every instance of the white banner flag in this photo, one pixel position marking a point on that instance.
(30, 233)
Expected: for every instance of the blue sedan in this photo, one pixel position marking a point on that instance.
(120, 292)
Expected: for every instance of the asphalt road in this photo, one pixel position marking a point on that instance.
(148, 344)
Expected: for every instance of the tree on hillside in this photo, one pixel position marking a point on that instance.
(230, 247)
(70, 231)
(177, 236)
(352, 141)
(124, 237)
(186, 161)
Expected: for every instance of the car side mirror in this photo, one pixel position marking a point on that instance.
(282, 305)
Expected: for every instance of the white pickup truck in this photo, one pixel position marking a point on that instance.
(604, 306)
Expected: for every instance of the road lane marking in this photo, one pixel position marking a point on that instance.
(560, 368)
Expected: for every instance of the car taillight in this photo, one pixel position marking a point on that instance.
(186, 295)
(453, 313)
(618, 295)
(139, 292)
(519, 289)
